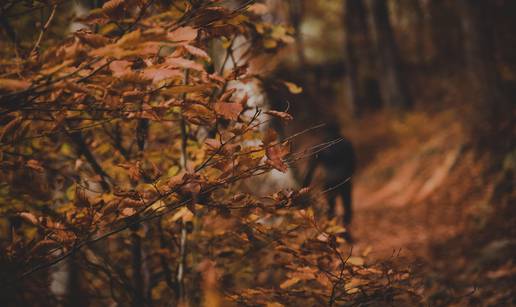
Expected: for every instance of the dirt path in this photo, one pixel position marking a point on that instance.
(395, 192)
(418, 197)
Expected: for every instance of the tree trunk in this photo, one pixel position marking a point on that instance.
(392, 84)
(296, 9)
(357, 45)
(480, 61)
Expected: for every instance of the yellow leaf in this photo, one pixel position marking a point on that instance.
(270, 43)
(367, 251)
(289, 282)
(130, 39)
(184, 213)
(359, 261)
(293, 88)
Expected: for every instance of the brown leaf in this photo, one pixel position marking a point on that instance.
(228, 110)
(270, 136)
(29, 217)
(13, 85)
(120, 67)
(198, 52)
(289, 282)
(130, 39)
(35, 165)
(159, 74)
(281, 115)
(199, 114)
(183, 34)
(212, 145)
(92, 39)
(114, 8)
(183, 63)
(181, 89)
(275, 155)
(10, 127)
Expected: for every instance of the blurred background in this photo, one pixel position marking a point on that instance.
(425, 91)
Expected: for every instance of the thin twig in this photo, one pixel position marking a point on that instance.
(44, 29)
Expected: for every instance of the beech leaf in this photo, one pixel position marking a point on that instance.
(228, 110)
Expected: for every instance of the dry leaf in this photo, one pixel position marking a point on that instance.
(275, 155)
(293, 88)
(289, 282)
(228, 110)
(183, 34)
(13, 85)
(281, 115)
(29, 217)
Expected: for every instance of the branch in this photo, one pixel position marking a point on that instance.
(83, 149)
(184, 160)
(44, 29)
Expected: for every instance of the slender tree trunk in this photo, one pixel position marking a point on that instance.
(392, 84)
(481, 65)
(138, 284)
(74, 297)
(419, 32)
(296, 16)
(357, 45)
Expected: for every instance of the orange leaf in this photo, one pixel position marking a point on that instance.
(197, 52)
(183, 34)
(159, 74)
(275, 155)
(281, 115)
(130, 39)
(94, 40)
(183, 63)
(29, 217)
(289, 282)
(228, 110)
(270, 136)
(13, 85)
(181, 89)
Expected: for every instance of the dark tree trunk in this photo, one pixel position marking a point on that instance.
(392, 84)
(296, 9)
(357, 54)
(419, 32)
(75, 295)
(445, 32)
(138, 295)
(481, 65)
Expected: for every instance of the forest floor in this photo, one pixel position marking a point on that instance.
(424, 196)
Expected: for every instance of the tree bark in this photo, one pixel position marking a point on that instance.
(485, 83)
(392, 84)
(355, 28)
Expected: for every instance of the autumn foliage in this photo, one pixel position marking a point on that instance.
(123, 147)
